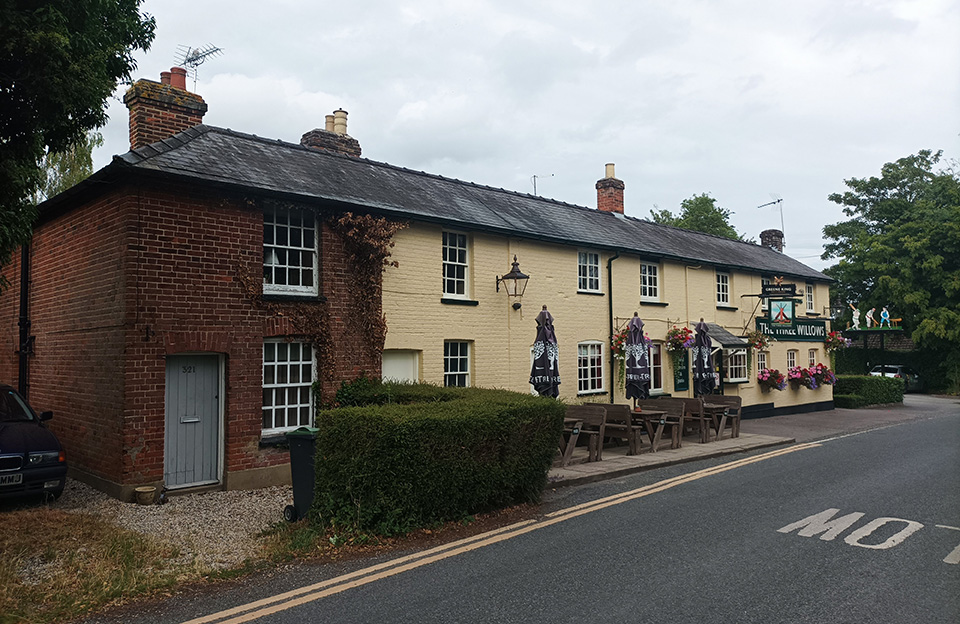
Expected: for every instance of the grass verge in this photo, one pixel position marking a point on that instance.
(55, 566)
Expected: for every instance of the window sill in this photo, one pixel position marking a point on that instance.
(463, 302)
(592, 393)
(813, 314)
(274, 440)
(293, 298)
(736, 381)
(595, 293)
(727, 307)
(659, 304)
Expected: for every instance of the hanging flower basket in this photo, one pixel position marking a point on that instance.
(799, 376)
(823, 375)
(771, 379)
(679, 338)
(835, 341)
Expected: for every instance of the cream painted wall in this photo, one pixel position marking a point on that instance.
(501, 337)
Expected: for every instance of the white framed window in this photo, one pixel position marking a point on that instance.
(289, 251)
(791, 358)
(288, 372)
(723, 289)
(810, 302)
(456, 363)
(764, 302)
(656, 368)
(455, 265)
(762, 357)
(589, 367)
(649, 282)
(736, 360)
(588, 271)
(812, 357)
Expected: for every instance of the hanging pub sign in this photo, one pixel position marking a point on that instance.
(681, 377)
(802, 330)
(781, 313)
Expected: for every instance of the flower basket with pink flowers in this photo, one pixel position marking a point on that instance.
(771, 379)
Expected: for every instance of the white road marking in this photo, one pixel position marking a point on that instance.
(821, 523)
(954, 556)
(854, 538)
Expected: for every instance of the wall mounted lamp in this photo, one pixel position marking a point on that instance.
(514, 282)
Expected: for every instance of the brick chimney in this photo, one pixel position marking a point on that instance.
(333, 137)
(610, 192)
(159, 110)
(772, 239)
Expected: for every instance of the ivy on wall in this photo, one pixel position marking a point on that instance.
(367, 240)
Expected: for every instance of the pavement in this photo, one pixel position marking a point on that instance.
(755, 434)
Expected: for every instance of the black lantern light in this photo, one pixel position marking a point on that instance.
(514, 282)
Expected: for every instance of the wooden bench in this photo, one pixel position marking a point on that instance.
(731, 414)
(594, 419)
(622, 426)
(674, 410)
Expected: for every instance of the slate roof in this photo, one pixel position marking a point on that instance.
(248, 163)
(724, 338)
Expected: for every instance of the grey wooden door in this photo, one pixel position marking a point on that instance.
(192, 433)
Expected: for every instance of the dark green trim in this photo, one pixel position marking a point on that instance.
(766, 410)
(592, 293)
(726, 307)
(659, 304)
(463, 302)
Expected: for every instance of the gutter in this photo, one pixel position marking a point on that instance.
(613, 363)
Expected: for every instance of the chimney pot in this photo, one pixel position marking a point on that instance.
(165, 77)
(340, 121)
(610, 192)
(328, 123)
(178, 78)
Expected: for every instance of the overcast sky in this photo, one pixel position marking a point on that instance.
(746, 101)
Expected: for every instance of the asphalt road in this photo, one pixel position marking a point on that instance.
(863, 527)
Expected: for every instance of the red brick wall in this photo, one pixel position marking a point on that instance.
(77, 312)
(146, 272)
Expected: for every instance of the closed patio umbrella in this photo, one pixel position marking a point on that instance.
(545, 374)
(703, 378)
(637, 355)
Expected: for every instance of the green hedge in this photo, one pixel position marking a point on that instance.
(849, 401)
(429, 455)
(871, 390)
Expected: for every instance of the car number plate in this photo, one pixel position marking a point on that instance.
(11, 479)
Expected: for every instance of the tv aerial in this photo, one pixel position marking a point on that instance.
(534, 180)
(777, 201)
(191, 58)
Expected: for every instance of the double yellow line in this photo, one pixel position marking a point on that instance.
(287, 600)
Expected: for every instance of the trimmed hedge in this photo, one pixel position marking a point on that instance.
(430, 455)
(849, 401)
(870, 390)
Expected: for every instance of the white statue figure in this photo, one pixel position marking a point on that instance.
(885, 317)
(856, 316)
(871, 321)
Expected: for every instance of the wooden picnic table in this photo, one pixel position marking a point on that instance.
(655, 421)
(571, 429)
(718, 413)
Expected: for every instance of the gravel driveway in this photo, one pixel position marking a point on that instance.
(215, 530)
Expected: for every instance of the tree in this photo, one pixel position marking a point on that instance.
(699, 213)
(62, 170)
(901, 249)
(59, 62)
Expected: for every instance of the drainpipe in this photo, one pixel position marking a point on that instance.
(613, 363)
(24, 321)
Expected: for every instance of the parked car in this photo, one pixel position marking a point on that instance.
(31, 458)
(911, 378)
